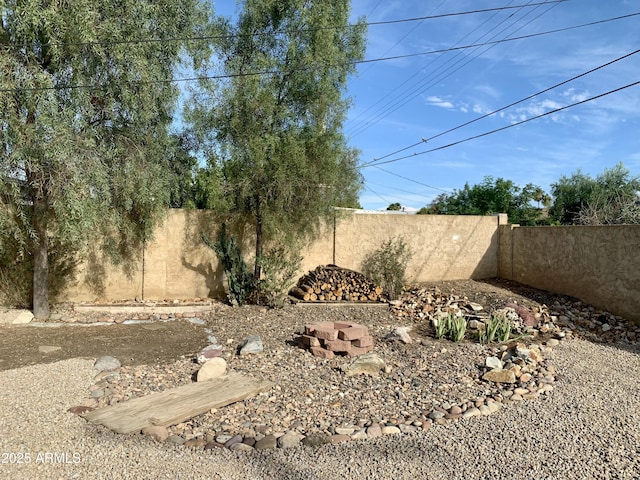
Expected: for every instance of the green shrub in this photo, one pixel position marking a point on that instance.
(239, 280)
(440, 326)
(457, 328)
(386, 266)
(503, 332)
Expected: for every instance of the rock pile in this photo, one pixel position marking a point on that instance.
(326, 339)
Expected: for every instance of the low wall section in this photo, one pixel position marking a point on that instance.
(597, 264)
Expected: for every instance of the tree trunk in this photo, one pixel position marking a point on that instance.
(41, 262)
(257, 271)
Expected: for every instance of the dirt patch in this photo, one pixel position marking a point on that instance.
(139, 344)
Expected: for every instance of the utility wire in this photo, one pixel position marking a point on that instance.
(425, 140)
(355, 62)
(389, 101)
(399, 190)
(408, 179)
(393, 105)
(509, 39)
(278, 32)
(408, 33)
(550, 112)
(377, 194)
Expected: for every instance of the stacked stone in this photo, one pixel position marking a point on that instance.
(326, 339)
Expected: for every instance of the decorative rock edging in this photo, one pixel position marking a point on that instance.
(529, 378)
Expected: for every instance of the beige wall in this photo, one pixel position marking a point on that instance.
(600, 265)
(443, 247)
(178, 265)
(597, 264)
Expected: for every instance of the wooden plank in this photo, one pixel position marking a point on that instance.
(176, 405)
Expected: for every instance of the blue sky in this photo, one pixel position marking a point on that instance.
(397, 103)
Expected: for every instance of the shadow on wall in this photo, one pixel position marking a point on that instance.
(203, 261)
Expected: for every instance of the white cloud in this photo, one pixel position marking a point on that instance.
(575, 96)
(439, 102)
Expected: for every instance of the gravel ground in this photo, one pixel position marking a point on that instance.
(589, 428)
(585, 424)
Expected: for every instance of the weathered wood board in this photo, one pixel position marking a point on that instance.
(176, 405)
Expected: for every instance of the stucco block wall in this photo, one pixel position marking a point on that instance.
(597, 264)
(443, 247)
(176, 264)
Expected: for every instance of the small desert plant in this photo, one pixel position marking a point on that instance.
(386, 266)
(279, 268)
(451, 327)
(503, 332)
(457, 328)
(497, 328)
(440, 325)
(240, 281)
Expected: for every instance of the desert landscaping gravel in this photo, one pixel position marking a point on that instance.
(586, 426)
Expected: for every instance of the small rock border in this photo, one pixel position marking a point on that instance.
(532, 378)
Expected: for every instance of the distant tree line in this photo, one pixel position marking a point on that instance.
(612, 197)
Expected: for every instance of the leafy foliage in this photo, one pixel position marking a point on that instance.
(490, 197)
(84, 118)
(451, 327)
(279, 268)
(497, 328)
(387, 265)
(394, 207)
(274, 141)
(610, 198)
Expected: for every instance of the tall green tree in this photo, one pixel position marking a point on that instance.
(610, 198)
(85, 106)
(490, 197)
(273, 129)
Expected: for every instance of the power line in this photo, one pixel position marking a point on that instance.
(355, 62)
(550, 112)
(399, 190)
(425, 140)
(407, 178)
(392, 104)
(410, 31)
(377, 194)
(277, 32)
(509, 39)
(390, 101)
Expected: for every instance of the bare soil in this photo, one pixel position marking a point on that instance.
(165, 342)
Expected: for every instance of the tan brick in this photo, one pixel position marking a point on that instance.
(321, 353)
(338, 345)
(353, 332)
(355, 351)
(339, 325)
(366, 341)
(325, 333)
(309, 329)
(310, 341)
